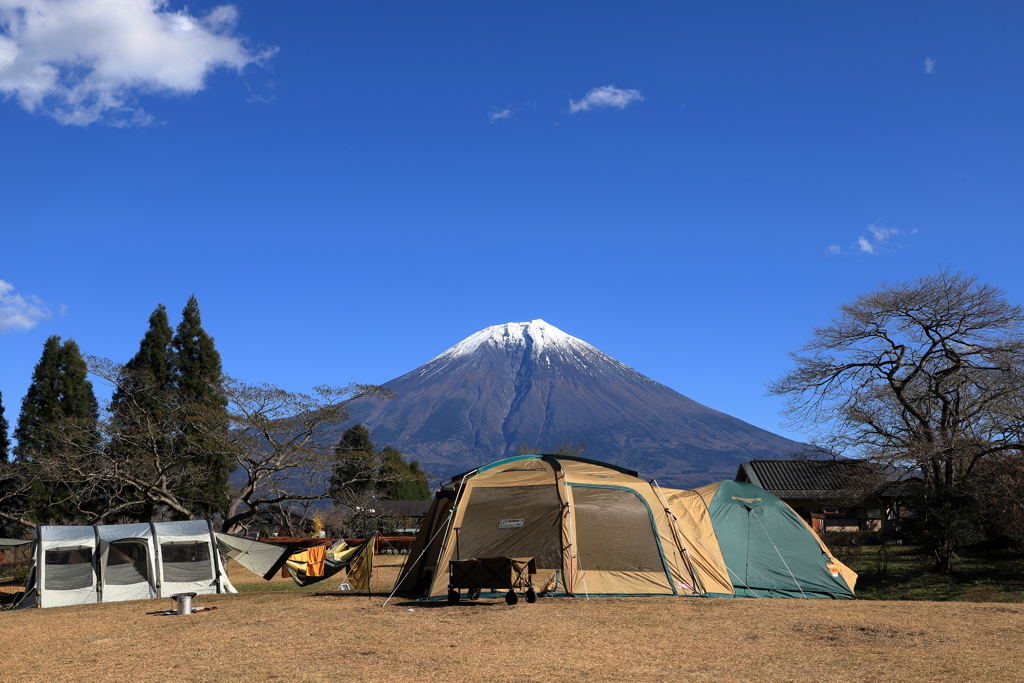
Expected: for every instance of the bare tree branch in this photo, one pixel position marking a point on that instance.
(923, 378)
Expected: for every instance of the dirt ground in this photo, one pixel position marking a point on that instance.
(270, 632)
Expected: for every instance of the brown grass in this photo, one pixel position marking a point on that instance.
(272, 633)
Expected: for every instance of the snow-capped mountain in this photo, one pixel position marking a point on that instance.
(531, 383)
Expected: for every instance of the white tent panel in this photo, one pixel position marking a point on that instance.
(66, 565)
(188, 560)
(127, 562)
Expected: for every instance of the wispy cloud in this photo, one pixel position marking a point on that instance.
(864, 245)
(605, 96)
(505, 113)
(929, 65)
(266, 96)
(19, 312)
(85, 61)
(882, 234)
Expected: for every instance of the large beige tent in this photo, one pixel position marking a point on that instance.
(593, 529)
(596, 529)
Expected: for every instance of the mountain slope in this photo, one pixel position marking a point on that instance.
(532, 383)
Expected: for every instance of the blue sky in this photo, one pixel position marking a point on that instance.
(351, 188)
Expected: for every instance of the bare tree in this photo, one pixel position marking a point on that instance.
(279, 441)
(924, 378)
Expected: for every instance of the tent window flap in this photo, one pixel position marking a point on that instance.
(68, 569)
(614, 532)
(186, 562)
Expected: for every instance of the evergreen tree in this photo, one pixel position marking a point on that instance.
(5, 443)
(141, 407)
(58, 420)
(8, 484)
(384, 474)
(357, 462)
(197, 380)
(399, 480)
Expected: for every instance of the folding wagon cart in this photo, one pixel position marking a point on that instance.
(494, 574)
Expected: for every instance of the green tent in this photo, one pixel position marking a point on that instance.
(768, 550)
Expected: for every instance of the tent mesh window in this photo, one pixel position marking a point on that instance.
(614, 532)
(186, 561)
(513, 521)
(126, 564)
(68, 569)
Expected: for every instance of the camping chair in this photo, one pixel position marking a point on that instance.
(494, 573)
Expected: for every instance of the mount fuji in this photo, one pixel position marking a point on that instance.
(531, 383)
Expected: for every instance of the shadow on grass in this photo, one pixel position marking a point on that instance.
(409, 602)
(908, 574)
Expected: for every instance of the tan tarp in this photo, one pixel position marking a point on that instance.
(360, 570)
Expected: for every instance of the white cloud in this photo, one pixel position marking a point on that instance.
(18, 312)
(882, 234)
(929, 65)
(84, 61)
(505, 113)
(606, 96)
(864, 245)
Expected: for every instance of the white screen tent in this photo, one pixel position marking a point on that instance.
(75, 565)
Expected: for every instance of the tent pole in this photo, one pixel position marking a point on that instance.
(373, 566)
(680, 541)
(573, 555)
(429, 526)
(426, 546)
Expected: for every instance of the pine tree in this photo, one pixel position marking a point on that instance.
(197, 380)
(5, 443)
(58, 420)
(141, 407)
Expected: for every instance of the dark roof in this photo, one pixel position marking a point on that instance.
(400, 508)
(809, 478)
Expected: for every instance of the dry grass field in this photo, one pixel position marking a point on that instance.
(273, 632)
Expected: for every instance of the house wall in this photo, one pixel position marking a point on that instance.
(866, 518)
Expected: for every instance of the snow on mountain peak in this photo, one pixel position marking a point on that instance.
(537, 333)
(540, 342)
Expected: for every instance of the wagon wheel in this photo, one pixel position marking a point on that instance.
(453, 597)
(531, 596)
(511, 598)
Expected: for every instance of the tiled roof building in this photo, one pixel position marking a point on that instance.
(836, 494)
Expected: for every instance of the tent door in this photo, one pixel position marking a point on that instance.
(127, 563)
